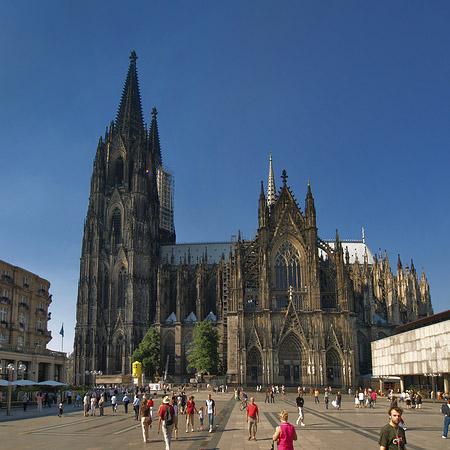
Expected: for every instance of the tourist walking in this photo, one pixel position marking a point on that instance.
(144, 418)
(190, 411)
(316, 396)
(201, 417)
(252, 419)
(173, 402)
(85, 404)
(39, 402)
(136, 403)
(25, 401)
(285, 433)
(114, 403)
(446, 412)
(392, 435)
(211, 410)
(300, 402)
(125, 402)
(338, 400)
(93, 404)
(101, 405)
(166, 420)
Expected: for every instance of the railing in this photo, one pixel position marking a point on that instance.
(30, 350)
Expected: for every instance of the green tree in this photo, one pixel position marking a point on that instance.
(204, 355)
(149, 353)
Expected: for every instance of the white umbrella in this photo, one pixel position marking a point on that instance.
(24, 383)
(3, 383)
(51, 383)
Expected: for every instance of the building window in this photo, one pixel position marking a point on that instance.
(119, 170)
(23, 300)
(117, 226)
(3, 314)
(39, 324)
(20, 341)
(5, 294)
(22, 319)
(122, 288)
(41, 306)
(26, 283)
(287, 267)
(2, 338)
(6, 275)
(38, 345)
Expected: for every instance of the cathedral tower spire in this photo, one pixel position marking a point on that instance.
(271, 190)
(129, 117)
(155, 147)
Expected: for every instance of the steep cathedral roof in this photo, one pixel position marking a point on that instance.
(129, 117)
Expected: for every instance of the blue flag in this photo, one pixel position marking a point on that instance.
(62, 330)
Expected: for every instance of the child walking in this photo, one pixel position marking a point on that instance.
(200, 417)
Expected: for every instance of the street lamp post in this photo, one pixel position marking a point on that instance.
(10, 370)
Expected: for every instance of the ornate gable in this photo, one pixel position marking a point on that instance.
(292, 323)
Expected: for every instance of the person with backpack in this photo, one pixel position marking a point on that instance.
(166, 420)
(446, 410)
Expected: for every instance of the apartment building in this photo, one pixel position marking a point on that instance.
(24, 314)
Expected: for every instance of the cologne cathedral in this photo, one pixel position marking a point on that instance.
(290, 307)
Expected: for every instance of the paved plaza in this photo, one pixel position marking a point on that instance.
(331, 429)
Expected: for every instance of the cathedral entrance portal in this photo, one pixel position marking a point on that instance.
(333, 368)
(254, 367)
(290, 358)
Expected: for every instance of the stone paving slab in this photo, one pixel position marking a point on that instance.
(331, 429)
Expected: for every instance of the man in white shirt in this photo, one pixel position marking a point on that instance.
(211, 410)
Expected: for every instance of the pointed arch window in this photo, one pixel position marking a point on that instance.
(118, 170)
(121, 288)
(117, 225)
(287, 267)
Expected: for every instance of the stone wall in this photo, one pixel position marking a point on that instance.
(415, 352)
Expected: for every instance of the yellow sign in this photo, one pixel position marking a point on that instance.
(137, 369)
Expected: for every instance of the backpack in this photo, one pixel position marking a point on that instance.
(445, 409)
(168, 416)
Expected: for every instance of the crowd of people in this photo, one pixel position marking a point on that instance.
(172, 405)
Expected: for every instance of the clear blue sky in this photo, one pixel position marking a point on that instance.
(351, 95)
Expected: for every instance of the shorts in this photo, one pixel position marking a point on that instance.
(252, 425)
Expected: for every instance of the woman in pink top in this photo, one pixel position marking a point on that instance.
(285, 433)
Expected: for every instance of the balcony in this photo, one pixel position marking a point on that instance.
(3, 323)
(5, 300)
(23, 305)
(26, 286)
(40, 311)
(6, 278)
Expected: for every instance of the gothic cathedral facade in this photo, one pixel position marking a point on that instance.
(290, 307)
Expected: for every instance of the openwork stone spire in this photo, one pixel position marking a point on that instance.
(271, 191)
(154, 139)
(129, 117)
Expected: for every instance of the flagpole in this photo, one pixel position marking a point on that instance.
(62, 338)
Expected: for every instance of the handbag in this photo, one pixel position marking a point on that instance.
(334, 403)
